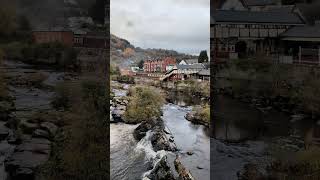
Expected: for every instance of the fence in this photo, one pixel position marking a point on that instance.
(308, 56)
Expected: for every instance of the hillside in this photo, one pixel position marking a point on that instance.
(123, 53)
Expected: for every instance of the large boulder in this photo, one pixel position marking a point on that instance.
(160, 141)
(39, 133)
(184, 174)
(50, 127)
(143, 128)
(4, 131)
(6, 107)
(28, 127)
(161, 171)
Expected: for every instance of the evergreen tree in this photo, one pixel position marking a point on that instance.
(203, 57)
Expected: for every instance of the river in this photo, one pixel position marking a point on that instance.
(131, 160)
(243, 134)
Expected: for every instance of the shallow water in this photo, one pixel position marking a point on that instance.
(189, 137)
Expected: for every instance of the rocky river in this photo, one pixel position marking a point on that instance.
(244, 135)
(132, 159)
(24, 149)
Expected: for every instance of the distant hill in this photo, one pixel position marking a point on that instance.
(123, 53)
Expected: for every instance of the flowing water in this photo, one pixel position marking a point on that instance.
(134, 160)
(189, 138)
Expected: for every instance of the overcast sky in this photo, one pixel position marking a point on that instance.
(181, 25)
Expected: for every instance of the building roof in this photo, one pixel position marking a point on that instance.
(190, 66)
(191, 61)
(52, 29)
(266, 17)
(204, 72)
(309, 11)
(260, 2)
(302, 32)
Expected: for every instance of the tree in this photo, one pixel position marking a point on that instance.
(203, 57)
(140, 64)
(97, 11)
(24, 24)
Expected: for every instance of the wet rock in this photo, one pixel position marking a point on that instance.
(41, 134)
(250, 172)
(159, 142)
(50, 127)
(36, 145)
(184, 174)
(28, 127)
(199, 167)
(165, 130)
(23, 174)
(26, 158)
(5, 108)
(190, 153)
(4, 132)
(117, 114)
(161, 171)
(142, 129)
(171, 139)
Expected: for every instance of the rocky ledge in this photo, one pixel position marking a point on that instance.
(196, 119)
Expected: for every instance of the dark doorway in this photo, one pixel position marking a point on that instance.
(241, 49)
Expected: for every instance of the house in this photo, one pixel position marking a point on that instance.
(203, 74)
(182, 72)
(126, 72)
(240, 33)
(72, 38)
(90, 39)
(62, 36)
(301, 44)
(188, 61)
(159, 65)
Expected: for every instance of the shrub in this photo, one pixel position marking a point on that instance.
(145, 104)
(125, 79)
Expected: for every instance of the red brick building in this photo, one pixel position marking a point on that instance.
(64, 37)
(158, 65)
(96, 40)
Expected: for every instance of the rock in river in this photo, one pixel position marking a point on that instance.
(26, 158)
(50, 127)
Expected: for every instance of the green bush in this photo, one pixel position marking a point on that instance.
(203, 114)
(125, 79)
(145, 104)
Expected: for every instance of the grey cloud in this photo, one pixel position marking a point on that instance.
(181, 25)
